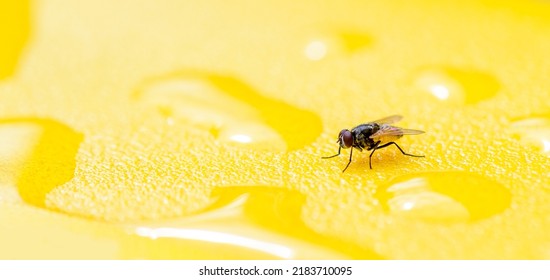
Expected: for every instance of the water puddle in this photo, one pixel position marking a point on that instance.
(444, 197)
(230, 111)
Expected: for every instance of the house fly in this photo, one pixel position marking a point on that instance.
(373, 136)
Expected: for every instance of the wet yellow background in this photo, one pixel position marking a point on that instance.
(195, 129)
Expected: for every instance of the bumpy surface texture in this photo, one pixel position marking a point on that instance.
(166, 129)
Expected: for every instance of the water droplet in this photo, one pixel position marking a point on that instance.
(28, 232)
(37, 156)
(444, 197)
(347, 42)
(250, 134)
(316, 50)
(14, 32)
(354, 41)
(241, 138)
(230, 110)
(246, 222)
(533, 132)
(456, 86)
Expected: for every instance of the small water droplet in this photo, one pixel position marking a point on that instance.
(37, 156)
(456, 86)
(230, 110)
(241, 138)
(444, 197)
(348, 42)
(354, 41)
(170, 121)
(533, 132)
(247, 222)
(316, 50)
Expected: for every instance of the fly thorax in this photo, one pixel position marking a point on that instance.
(362, 135)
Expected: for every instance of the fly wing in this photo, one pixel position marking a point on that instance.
(389, 120)
(406, 131)
(387, 131)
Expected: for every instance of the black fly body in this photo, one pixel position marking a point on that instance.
(373, 136)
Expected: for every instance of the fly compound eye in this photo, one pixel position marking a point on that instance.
(341, 137)
(346, 138)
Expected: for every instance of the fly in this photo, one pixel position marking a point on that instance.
(373, 136)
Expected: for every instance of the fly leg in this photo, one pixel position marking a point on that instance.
(390, 143)
(385, 145)
(373, 150)
(339, 148)
(350, 154)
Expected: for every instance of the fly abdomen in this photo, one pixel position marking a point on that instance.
(362, 135)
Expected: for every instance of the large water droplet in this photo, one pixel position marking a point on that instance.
(456, 86)
(444, 197)
(533, 132)
(28, 232)
(245, 222)
(36, 155)
(230, 110)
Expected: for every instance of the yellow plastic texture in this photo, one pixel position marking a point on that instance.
(195, 129)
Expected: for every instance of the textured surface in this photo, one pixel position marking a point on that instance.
(191, 130)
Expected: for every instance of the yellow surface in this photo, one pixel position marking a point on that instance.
(195, 130)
